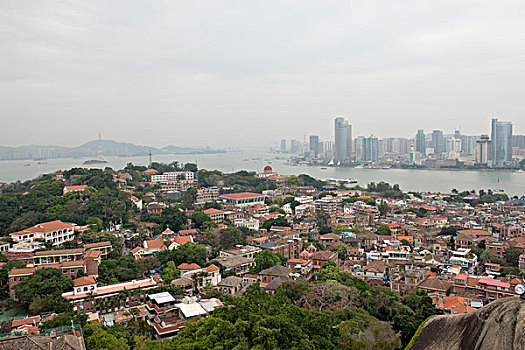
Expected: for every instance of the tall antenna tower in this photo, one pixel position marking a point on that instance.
(100, 153)
(150, 158)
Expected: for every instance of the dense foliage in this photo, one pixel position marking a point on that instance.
(42, 200)
(42, 291)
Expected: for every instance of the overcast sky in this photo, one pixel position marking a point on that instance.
(238, 73)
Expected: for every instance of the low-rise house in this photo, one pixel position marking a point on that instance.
(239, 264)
(231, 285)
(321, 257)
(79, 188)
(432, 284)
(273, 277)
(155, 245)
(375, 270)
(301, 268)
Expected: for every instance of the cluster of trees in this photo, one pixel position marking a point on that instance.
(42, 291)
(42, 200)
(134, 335)
(386, 190)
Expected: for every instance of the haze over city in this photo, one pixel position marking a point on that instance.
(248, 74)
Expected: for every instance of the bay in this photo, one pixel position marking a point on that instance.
(513, 183)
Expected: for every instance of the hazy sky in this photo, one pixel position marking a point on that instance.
(234, 73)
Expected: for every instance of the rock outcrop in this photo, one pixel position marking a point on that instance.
(499, 325)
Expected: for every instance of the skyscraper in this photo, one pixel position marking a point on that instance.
(343, 140)
(295, 146)
(437, 142)
(368, 149)
(314, 145)
(483, 150)
(421, 144)
(283, 145)
(501, 142)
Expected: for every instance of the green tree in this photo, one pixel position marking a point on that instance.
(186, 253)
(383, 230)
(172, 217)
(280, 221)
(199, 218)
(42, 291)
(95, 223)
(265, 260)
(124, 268)
(98, 338)
(512, 256)
(448, 230)
(293, 180)
(170, 272)
(230, 237)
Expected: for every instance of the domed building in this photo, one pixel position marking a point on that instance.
(267, 170)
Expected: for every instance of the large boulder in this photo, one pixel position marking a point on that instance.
(499, 325)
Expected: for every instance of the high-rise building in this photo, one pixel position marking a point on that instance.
(468, 144)
(343, 140)
(295, 146)
(421, 143)
(453, 145)
(328, 148)
(518, 141)
(283, 145)
(483, 150)
(368, 149)
(501, 142)
(314, 145)
(438, 143)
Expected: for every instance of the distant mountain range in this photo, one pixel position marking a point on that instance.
(90, 149)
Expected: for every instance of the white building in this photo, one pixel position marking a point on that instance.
(173, 175)
(56, 232)
(252, 224)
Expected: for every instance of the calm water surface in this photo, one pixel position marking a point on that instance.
(512, 183)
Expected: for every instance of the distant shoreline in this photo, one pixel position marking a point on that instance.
(395, 168)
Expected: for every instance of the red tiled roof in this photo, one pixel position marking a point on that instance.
(212, 268)
(474, 232)
(182, 240)
(22, 271)
(83, 281)
(242, 195)
(25, 321)
(97, 244)
(73, 263)
(60, 251)
(186, 266)
(48, 227)
(157, 243)
(92, 254)
(212, 211)
(137, 249)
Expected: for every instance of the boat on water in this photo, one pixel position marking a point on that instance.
(323, 168)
